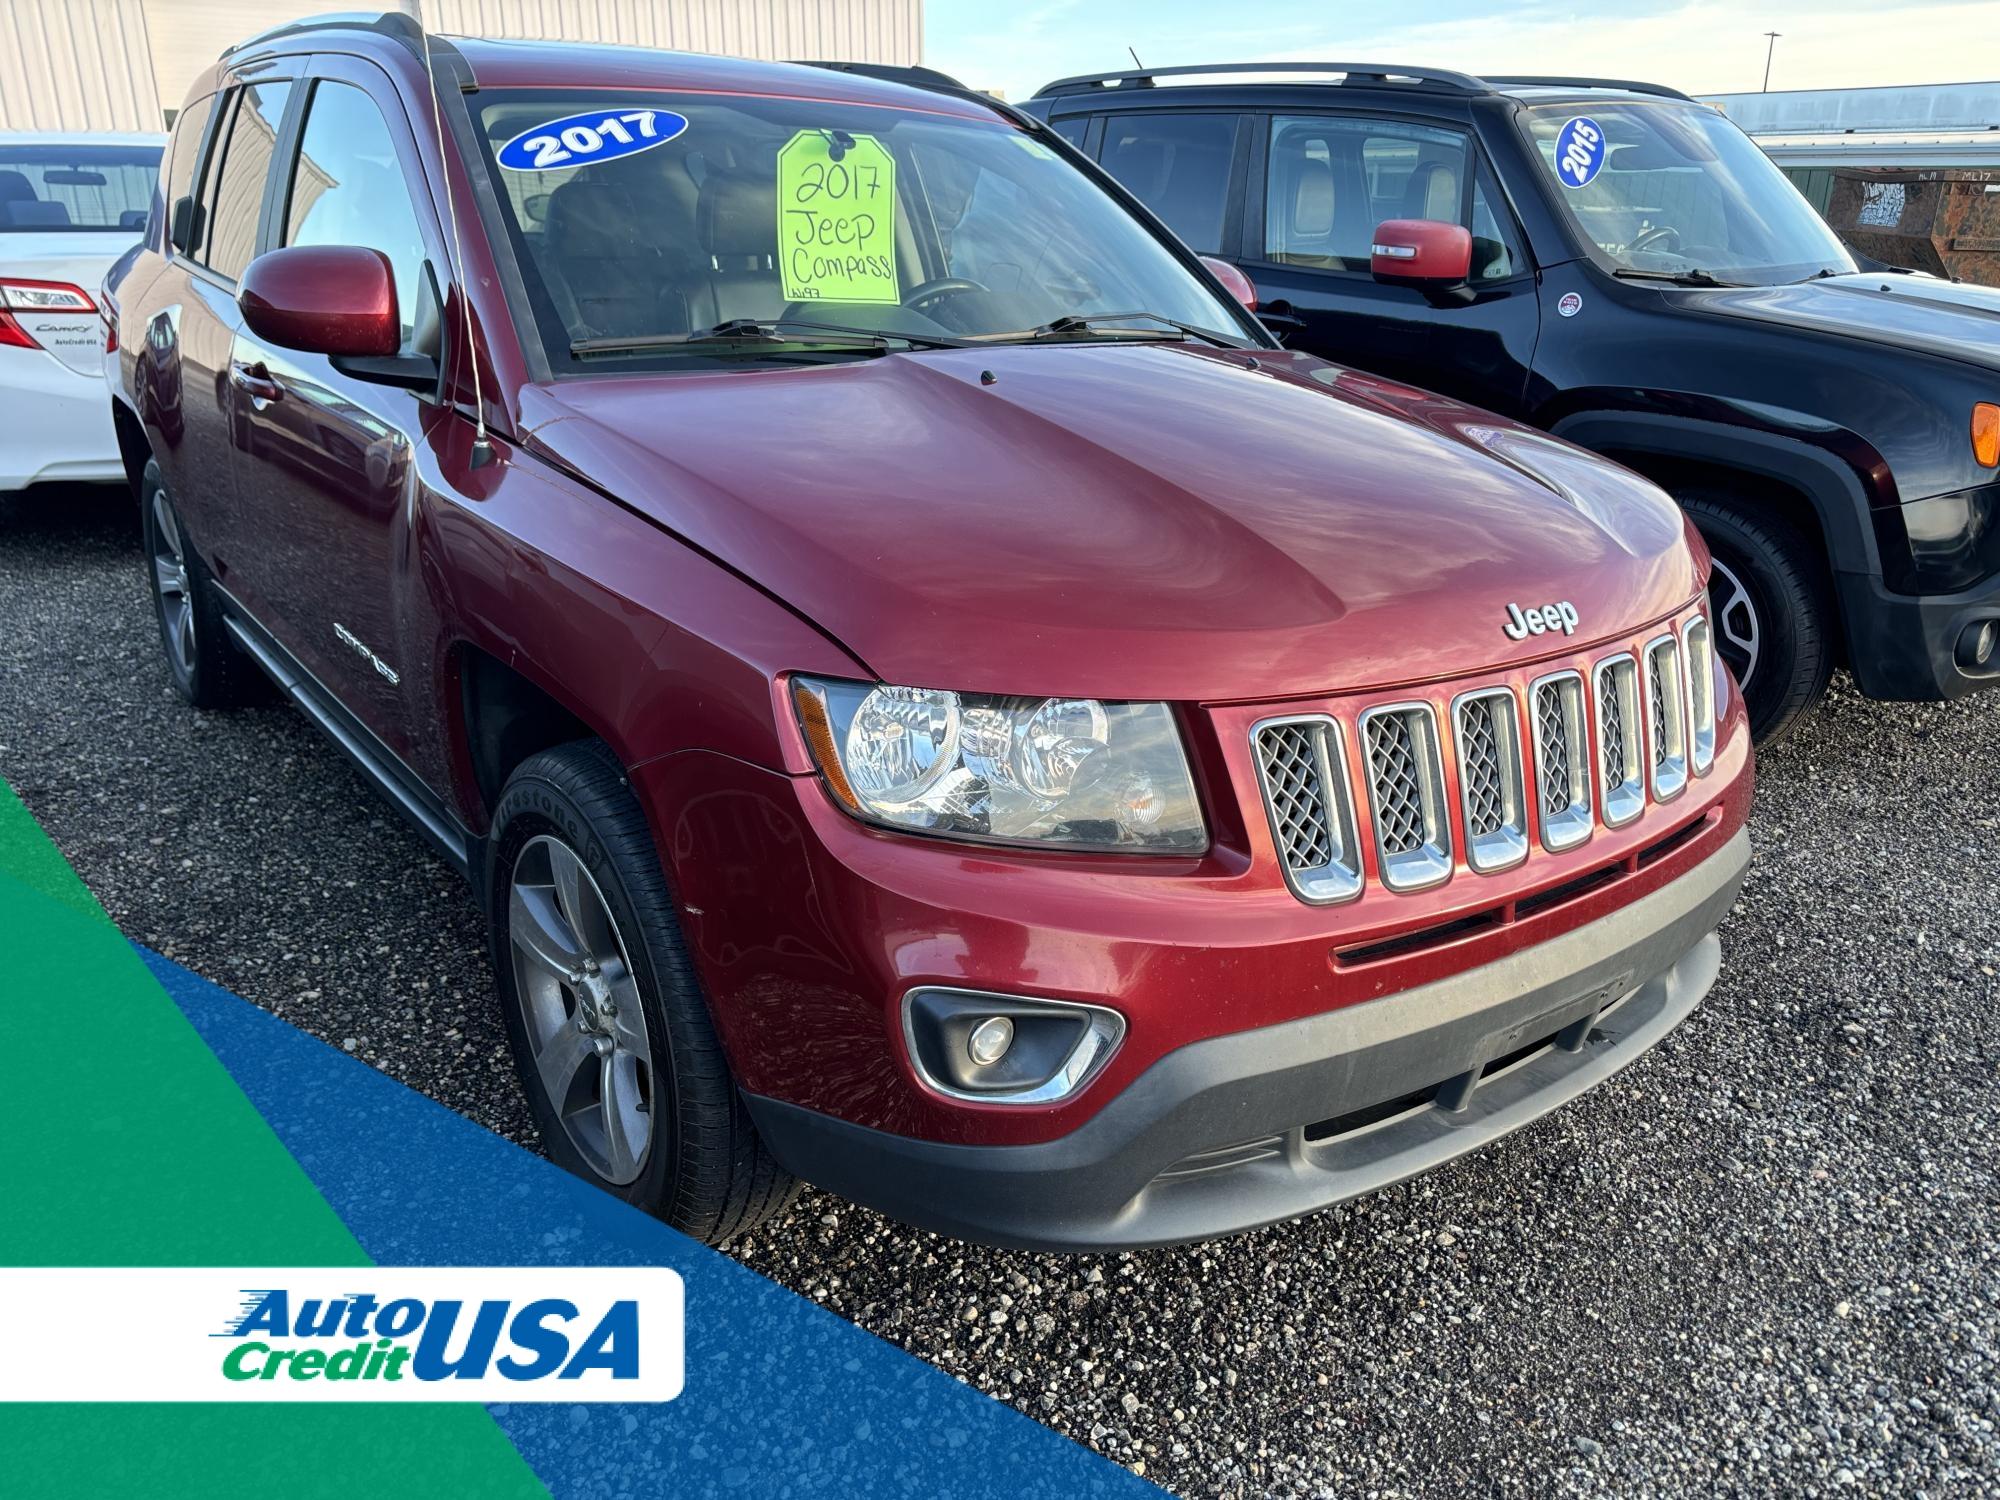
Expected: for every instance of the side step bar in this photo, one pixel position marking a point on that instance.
(376, 761)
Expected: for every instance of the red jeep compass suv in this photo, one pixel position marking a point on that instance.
(933, 700)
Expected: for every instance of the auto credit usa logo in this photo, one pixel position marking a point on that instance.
(343, 1334)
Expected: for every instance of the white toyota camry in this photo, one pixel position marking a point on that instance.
(70, 205)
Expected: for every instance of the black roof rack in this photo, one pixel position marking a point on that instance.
(399, 25)
(918, 78)
(1364, 73)
(932, 81)
(1631, 87)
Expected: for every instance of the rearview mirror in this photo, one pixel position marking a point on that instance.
(323, 299)
(1422, 252)
(1233, 281)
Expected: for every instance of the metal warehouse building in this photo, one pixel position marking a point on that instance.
(127, 64)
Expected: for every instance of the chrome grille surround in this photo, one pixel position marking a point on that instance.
(1399, 745)
(1486, 731)
(1698, 656)
(1562, 759)
(1621, 765)
(1666, 718)
(1302, 771)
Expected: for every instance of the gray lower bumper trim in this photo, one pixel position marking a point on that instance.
(1229, 1121)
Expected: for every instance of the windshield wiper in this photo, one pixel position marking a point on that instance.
(741, 332)
(1676, 278)
(1100, 323)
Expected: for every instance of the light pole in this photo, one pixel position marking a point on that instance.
(1770, 47)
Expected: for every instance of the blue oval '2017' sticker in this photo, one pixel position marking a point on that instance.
(599, 135)
(1579, 151)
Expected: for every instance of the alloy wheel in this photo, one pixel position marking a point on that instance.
(1739, 633)
(171, 583)
(585, 1023)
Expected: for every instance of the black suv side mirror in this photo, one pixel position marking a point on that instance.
(184, 225)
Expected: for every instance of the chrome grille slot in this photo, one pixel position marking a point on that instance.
(1698, 654)
(1621, 770)
(1666, 716)
(1486, 729)
(1406, 795)
(1302, 769)
(1562, 760)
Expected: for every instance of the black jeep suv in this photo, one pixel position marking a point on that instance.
(1620, 265)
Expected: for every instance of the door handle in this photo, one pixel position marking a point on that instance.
(255, 382)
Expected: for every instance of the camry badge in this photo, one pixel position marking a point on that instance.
(1522, 623)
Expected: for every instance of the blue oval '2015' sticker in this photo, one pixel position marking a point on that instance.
(1579, 151)
(598, 135)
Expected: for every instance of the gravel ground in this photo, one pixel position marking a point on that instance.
(1762, 1260)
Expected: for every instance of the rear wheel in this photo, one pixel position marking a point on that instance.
(207, 668)
(611, 1034)
(1770, 609)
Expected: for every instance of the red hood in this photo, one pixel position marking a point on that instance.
(1132, 520)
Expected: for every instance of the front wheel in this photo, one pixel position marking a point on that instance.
(611, 1033)
(1769, 608)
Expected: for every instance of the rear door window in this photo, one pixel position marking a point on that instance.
(1178, 166)
(237, 192)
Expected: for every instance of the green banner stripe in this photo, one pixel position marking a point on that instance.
(123, 1141)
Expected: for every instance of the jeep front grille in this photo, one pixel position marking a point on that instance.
(1487, 728)
(1406, 795)
(1302, 769)
(1667, 718)
(1584, 745)
(1621, 777)
(1562, 760)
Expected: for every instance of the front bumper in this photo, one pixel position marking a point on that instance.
(1250, 1128)
(58, 423)
(1903, 647)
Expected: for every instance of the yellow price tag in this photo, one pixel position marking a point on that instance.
(837, 219)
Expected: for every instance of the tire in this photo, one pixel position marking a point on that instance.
(207, 667)
(703, 1168)
(1770, 609)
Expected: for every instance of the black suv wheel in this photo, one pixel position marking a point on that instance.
(1769, 609)
(611, 1034)
(207, 667)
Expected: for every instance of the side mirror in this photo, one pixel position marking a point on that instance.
(184, 224)
(323, 299)
(1422, 253)
(1233, 281)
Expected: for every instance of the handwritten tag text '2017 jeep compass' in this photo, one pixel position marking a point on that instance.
(933, 700)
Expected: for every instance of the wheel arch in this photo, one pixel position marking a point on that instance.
(504, 717)
(135, 450)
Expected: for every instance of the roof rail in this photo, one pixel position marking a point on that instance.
(1143, 78)
(1627, 84)
(931, 81)
(397, 24)
(921, 78)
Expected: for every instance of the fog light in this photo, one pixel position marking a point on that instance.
(990, 1040)
(1006, 1049)
(1976, 643)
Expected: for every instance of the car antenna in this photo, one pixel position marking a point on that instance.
(482, 446)
(1135, 58)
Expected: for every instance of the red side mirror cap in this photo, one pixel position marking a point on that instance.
(323, 299)
(1422, 251)
(1233, 280)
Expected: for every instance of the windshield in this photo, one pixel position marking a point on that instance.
(64, 185)
(1660, 186)
(644, 218)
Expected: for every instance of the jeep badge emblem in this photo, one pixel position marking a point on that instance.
(1522, 623)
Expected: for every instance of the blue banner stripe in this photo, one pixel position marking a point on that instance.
(782, 1397)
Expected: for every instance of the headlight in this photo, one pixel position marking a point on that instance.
(1071, 772)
